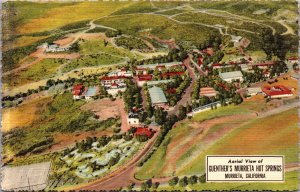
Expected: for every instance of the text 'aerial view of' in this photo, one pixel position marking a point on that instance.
(149, 95)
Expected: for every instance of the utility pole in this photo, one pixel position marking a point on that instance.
(28, 183)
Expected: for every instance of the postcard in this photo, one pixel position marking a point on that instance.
(150, 95)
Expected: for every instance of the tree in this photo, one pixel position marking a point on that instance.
(237, 99)
(155, 185)
(50, 82)
(160, 115)
(193, 179)
(181, 112)
(149, 183)
(202, 178)
(173, 181)
(130, 187)
(183, 182)
(268, 42)
(143, 186)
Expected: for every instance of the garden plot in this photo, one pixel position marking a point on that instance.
(99, 159)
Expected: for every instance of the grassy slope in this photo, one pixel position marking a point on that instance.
(154, 165)
(158, 25)
(138, 7)
(96, 46)
(247, 8)
(240, 141)
(256, 138)
(41, 70)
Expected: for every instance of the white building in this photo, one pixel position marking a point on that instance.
(54, 48)
(133, 119)
(120, 73)
(254, 91)
(115, 90)
(232, 76)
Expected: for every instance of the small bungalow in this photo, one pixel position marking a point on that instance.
(133, 119)
(254, 91)
(143, 131)
(77, 91)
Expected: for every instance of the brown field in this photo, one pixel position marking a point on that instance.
(22, 41)
(104, 108)
(24, 114)
(88, 36)
(65, 41)
(78, 12)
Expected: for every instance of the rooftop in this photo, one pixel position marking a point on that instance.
(276, 90)
(159, 65)
(232, 74)
(254, 90)
(92, 91)
(150, 83)
(157, 95)
(143, 131)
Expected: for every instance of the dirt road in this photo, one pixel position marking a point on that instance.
(187, 95)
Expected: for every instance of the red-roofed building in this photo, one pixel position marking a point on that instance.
(108, 81)
(263, 65)
(277, 91)
(142, 79)
(77, 91)
(143, 131)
